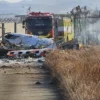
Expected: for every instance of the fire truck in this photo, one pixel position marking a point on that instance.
(48, 25)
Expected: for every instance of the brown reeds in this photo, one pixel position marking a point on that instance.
(78, 72)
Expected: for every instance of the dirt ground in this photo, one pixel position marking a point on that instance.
(26, 79)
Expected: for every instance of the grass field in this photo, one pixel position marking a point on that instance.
(77, 71)
(9, 27)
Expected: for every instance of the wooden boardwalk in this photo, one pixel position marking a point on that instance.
(27, 84)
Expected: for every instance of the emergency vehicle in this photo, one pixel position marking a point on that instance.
(48, 25)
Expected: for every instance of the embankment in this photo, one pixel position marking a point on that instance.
(78, 72)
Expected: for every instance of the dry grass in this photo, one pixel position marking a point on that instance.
(78, 72)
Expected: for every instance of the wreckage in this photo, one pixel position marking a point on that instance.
(24, 45)
(28, 41)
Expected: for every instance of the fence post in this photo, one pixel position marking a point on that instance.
(15, 27)
(3, 31)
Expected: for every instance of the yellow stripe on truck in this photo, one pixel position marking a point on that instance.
(45, 36)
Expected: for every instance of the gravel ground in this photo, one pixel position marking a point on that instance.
(4, 62)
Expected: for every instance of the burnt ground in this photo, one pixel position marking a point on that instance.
(26, 79)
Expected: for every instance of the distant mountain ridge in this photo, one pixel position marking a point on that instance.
(22, 7)
(54, 6)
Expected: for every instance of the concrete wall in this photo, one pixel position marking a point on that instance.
(9, 27)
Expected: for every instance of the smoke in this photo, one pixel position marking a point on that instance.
(94, 31)
(88, 30)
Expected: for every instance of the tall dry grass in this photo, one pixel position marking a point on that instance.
(77, 71)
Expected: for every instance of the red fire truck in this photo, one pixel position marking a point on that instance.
(40, 24)
(48, 25)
